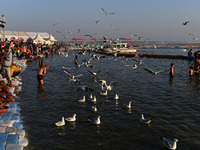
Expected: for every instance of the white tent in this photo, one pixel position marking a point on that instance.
(38, 39)
(52, 39)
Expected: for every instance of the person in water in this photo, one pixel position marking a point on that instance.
(171, 71)
(40, 63)
(41, 74)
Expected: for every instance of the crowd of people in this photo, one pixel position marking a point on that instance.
(195, 69)
(9, 70)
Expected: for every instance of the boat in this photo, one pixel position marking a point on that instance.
(119, 48)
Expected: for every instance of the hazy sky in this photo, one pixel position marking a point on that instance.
(152, 19)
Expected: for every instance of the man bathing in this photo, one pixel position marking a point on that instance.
(42, 71)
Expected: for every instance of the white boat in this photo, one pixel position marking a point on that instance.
(119, 48)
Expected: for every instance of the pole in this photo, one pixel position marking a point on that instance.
(3, 22)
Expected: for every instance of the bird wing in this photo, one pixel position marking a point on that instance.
(111, 13)
(90, 60)
(90, 72)
(104, 11)
(161, 71)
(78, 75)
(67, 73)
(166, 142)
(135, 60)
(98, 72)
(148, 70)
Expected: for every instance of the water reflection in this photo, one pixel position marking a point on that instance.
(171, 81)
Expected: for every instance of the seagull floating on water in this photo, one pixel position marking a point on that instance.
(82, 100)
(70, 119)
(104, 93)
(143, 120)
(128, 106)
(60, 123)
(93, 108)
(94, 99)
(116, 97)
(169, 144)
(95, 120)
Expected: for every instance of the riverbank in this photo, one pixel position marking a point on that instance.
(12, 133)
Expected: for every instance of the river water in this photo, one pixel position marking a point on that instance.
(173, 104)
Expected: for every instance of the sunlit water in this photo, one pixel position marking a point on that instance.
(173, 104)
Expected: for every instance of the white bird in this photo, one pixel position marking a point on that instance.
(128, 106)
(102, 82)
(107, 13)
(169, 144)
(73, 118)
(116, 97)
(94, 73)
(60, 123)
(91, 96)
(72, 79)
(143, 120)
(82, 100)
(98, 58)
(94, 99)
(104, 93)
(93, 108)
(155, 73)
(95, 120)
(108, 87)
(79, 65)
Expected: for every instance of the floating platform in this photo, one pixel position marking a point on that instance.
(156, 56)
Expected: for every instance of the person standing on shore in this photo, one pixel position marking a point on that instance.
(42, 71)
(7, 62)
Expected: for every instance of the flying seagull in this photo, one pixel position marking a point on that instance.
(107, 13)
(88, 35)
(185, 23)
(155, 73)
(97, 21)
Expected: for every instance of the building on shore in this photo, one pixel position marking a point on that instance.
(37, 37)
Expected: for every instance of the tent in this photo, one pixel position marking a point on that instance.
(38, 39)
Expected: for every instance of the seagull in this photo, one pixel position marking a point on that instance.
(97, 21)
(102, 82)
(60, 123)
(94, 73)
(79, 65)
(169, 144)
(72, 79)
(155, 73)
(70, 119)
(98, 58)
(82, 100)
(78, 31)
(138, 64)
(93, 108)
(95, 120)
(116, 97)
(128, 106)
(107, 13)
(143, 120)
(87, 63)
(185, 23)
(70, 32)
(91, 96)
(104, 93)
(55, 24)
(88, 35)
(94, 99)
(140, 38)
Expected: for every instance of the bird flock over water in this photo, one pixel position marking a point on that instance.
(104, 89)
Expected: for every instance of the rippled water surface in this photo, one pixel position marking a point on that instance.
(173, 105)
